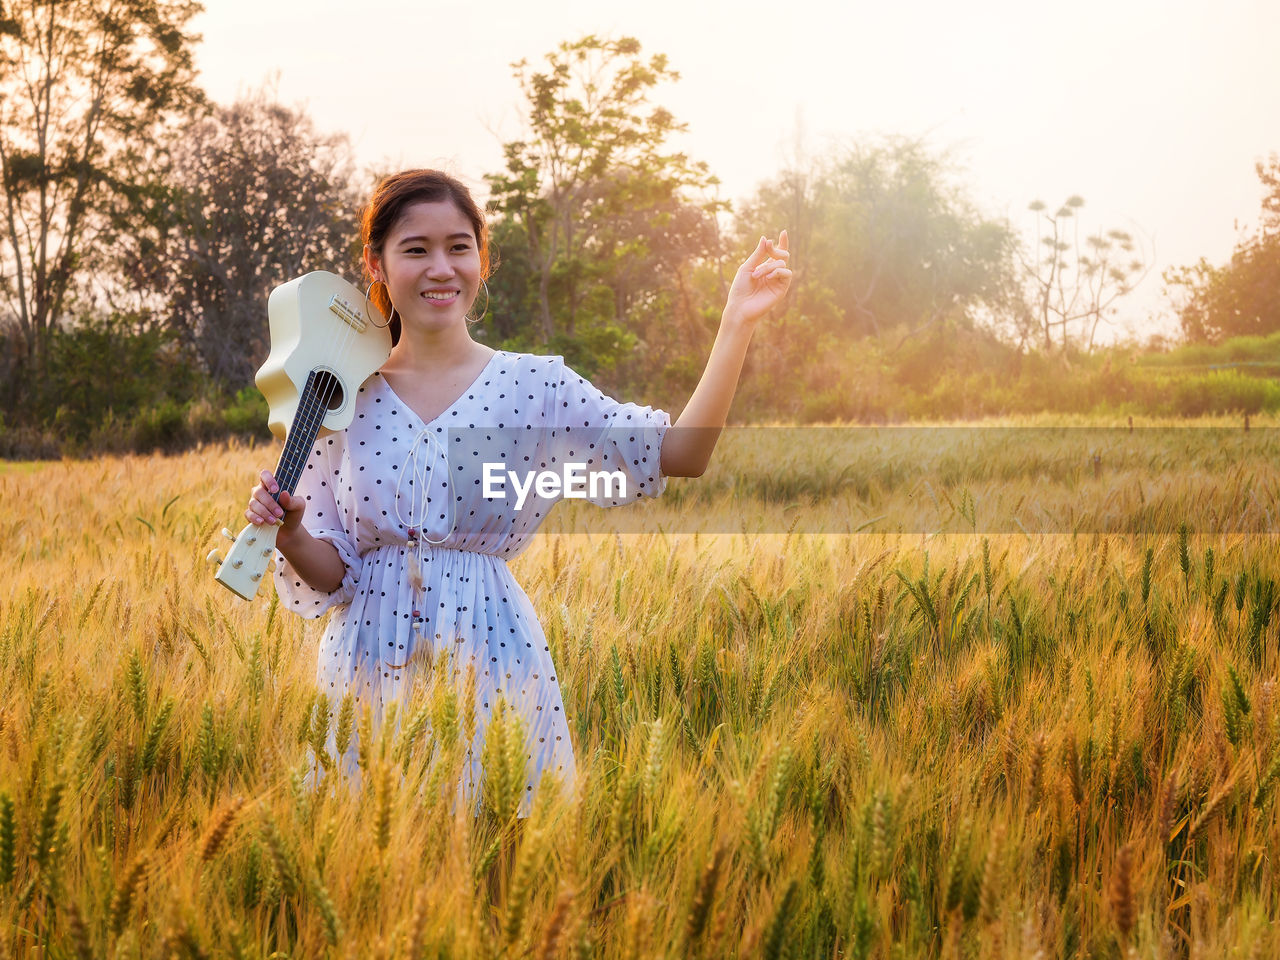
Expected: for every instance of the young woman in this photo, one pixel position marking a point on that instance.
(389, 526)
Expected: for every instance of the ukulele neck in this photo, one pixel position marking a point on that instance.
(313, 404)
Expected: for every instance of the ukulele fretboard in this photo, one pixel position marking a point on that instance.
(322, 390)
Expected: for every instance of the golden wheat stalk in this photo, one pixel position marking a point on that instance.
(382, 820)
(1122, 905)
(8, 837)
(78, 932)
(1010, 757)
(989, 895)
(1168, 804)
(333, 929)
(1211, 811)
(44, 842)
(556, 925)
(418, 926)
(219, 828)
(346, 719)
(702, 898)
(364, 737)
(1071, 759)
(1036, 774)
(280, 858)
(522, 885)
(122, 902)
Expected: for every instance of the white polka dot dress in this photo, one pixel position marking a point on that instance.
(427, 553)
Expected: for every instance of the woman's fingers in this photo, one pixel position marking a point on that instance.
(779, 273)
(269, 503)
(759, 255)
(262, 509)
(256, 514)
(767, 267)
(779, 249)
(777, 255)
(262, 506)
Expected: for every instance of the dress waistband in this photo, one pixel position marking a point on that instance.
(429, 548)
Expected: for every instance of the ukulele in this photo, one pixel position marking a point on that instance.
(324, 344)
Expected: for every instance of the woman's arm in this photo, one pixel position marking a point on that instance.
(760, 283)
(316, 561)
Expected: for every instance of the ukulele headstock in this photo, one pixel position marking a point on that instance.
(246, 562)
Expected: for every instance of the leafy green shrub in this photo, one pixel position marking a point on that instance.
(246, 414)
(1223, 392)
(826, 406)
(111, 434)
(1255, 349)
(162, 427)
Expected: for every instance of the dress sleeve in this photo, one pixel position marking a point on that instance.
(324, 520)
(611, 437)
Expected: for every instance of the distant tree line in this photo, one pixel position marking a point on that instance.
(1241, 297)
(143, 226)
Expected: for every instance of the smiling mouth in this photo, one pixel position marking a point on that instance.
(440, 295)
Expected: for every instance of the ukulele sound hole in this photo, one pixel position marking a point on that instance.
(328, 389)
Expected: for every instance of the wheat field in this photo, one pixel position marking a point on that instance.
(934, 736)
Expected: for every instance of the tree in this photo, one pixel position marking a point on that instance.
(884, 239)
(1073, 285)
(1239, 298)
(84, 87)
(253, 197)
(591, 190)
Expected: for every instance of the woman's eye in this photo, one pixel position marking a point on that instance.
(461, 247)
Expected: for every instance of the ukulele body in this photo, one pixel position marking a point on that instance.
(319, 324)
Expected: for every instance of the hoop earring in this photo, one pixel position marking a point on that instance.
(366, 305)
(480, 316)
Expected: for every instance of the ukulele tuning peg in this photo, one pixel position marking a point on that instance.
(226, 532)
(213, 557)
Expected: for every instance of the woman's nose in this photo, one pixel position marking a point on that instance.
(439, 266)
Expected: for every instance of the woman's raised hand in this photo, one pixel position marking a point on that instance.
(264, 509)
(762, 281)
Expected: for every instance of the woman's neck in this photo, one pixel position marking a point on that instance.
(436, 352)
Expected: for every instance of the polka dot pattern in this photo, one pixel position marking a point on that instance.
(462, 595)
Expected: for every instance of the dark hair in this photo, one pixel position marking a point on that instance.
(390, 197)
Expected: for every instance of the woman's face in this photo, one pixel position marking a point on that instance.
(431, 265)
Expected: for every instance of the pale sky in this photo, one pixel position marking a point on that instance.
(1154, 112)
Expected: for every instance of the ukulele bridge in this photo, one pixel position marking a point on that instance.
(347, 312)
